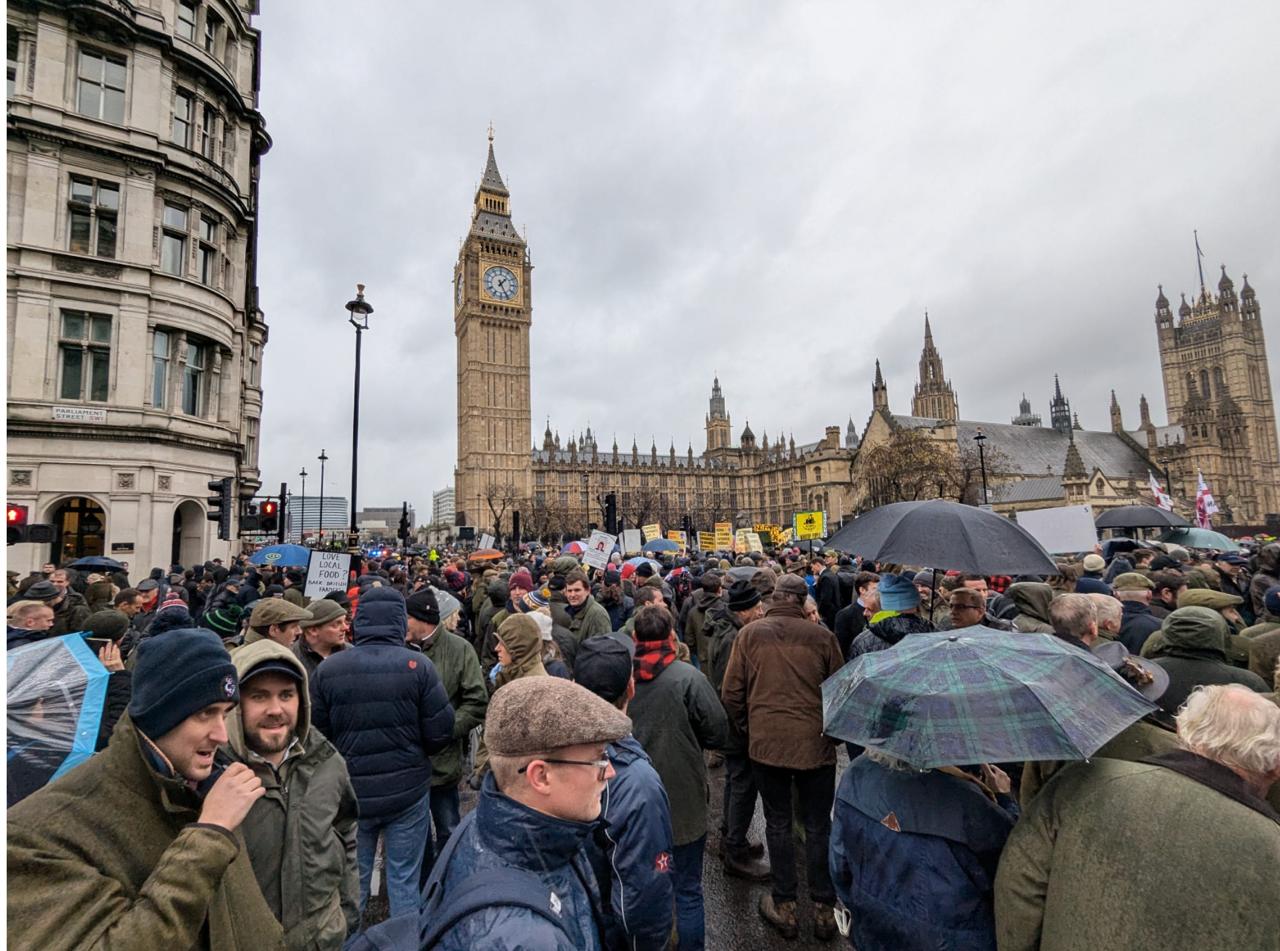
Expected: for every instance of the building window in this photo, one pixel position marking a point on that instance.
(228, 141)
(251, 442)
(12, 44)
(212, 33)
(187, 11)
(173, 246)
(159, 368)
(208, 251)
(85, 349)
(255, 364)
(209, 132)
(100, 86)
(183, 113)
(93, 209)
(193, 377)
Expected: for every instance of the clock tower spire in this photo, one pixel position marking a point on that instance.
(491, 320)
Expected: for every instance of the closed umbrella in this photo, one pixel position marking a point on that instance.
(1200, 538)
(944, 534)
(977, 695)
(56, 691)
(1140, 516)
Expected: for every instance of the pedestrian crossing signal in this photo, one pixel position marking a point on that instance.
(269, 517)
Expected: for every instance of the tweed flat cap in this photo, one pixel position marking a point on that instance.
(542, 714)
(1208, 598)
(793, 585)
(322, 612)
(268, 611)
(1132, 581)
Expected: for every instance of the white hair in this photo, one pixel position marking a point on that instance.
(1232, 725)
(1108, 608)
(1073, 614)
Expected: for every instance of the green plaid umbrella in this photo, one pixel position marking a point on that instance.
(978, 695)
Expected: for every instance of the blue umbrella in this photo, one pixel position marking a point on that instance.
(977, 695)
(295, 556)
(56, 692)
(659, 545)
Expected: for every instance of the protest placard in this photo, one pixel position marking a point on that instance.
(652, 531)
(1062, 529)
(724, 536)
(326, 571)
(599, 548)
(810, 525)
(754, 543)
(632, 541)
(707, 541)
(680, 538)
(486, 541)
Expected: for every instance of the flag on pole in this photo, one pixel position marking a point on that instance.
(1205, 505)
(1162, 498)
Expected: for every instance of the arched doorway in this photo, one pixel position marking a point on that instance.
(188, 534)
(80, 527)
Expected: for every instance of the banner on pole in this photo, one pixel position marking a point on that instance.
(810, 525)
(632, 541)
(326, 571)
(652, 531)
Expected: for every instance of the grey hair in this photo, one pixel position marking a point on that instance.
(889, 762)
(1072, 614)
(1108, 609)
(1232, 725)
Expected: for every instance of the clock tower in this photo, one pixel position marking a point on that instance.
(491, 319)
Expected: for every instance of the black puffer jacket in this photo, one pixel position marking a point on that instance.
(383, 706)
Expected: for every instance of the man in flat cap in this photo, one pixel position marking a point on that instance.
(547, 741)
(277, 619)
(323, 633)
(1138, 623)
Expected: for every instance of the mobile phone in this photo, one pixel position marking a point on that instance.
(97, 643)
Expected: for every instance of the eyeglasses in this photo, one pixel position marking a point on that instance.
(601, 765)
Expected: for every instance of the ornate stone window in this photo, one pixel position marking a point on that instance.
(91, 217)
(100, 85)
(84, 348)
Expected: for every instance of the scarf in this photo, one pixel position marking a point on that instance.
(653, 657)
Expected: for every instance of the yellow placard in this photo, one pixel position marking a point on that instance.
(724, 536)
(707, 541)
(652, 531)
(810, 525)
(680, 538)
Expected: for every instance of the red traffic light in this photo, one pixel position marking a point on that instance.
(268, 508)
(16, 515)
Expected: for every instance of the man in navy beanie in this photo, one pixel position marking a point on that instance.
(139, 847)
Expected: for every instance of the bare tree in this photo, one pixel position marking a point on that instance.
(500, 497)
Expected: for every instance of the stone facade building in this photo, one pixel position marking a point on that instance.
(135, 336)
(560, 488)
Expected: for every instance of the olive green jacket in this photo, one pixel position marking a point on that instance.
(589, 620)
(111, 856)
(301, 835)
(459, 671)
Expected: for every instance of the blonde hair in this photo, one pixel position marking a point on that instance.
(1232, 725)
(22, 609)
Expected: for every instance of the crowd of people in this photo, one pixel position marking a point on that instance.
(265, 760)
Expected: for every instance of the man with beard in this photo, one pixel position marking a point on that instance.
(301, 835)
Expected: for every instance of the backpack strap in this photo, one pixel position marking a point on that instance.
(490, 888)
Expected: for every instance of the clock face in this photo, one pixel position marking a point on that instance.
(500, 283)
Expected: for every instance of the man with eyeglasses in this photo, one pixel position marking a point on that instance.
(547, 740)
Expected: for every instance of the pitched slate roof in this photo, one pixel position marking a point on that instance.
(1039, 450)
(1028, 490)
(495, 226)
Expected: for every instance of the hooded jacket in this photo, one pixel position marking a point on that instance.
(112, 855)
(383, 706)
(301, 835)
(695, 625)
(1032, 599)
(503, 833)
(459, 671)
(1194, 653)
(631, 852)
(523, 642)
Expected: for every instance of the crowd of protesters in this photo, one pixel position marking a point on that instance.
(263, 755)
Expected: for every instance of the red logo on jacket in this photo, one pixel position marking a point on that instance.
(413, 664)
(663, 862)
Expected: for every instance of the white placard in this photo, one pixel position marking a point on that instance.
(486, 541)
(599, 548)
(632, 541)
(327, 571)
(1066, 528)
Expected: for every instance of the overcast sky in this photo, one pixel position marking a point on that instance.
(772, 191)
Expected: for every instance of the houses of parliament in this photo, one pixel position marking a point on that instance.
(1216, 384)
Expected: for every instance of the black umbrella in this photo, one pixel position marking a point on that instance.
(96, 561)
(944, 534)
(1139, 516)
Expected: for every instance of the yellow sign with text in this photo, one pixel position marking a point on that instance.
(652, 531)
(724, 536)
(680, 538)
(707, 541)
(810, 525)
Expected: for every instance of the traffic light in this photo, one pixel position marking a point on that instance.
(687, 522)
(269, 517)
(15, 517)
(220, 506)
(403, 533)
(611, 513)
(515, 531)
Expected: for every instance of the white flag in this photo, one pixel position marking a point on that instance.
(1162, 498)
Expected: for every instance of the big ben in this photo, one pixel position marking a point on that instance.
(492, 315)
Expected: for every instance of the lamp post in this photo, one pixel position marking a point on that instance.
(358, 316)
(302, 515)
(980, 438)
(323, 459)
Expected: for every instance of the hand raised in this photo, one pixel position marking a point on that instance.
(232, 796)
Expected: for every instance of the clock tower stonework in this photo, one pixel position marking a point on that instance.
(491, 319)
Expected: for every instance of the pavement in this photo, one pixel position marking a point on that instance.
(732, 921)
